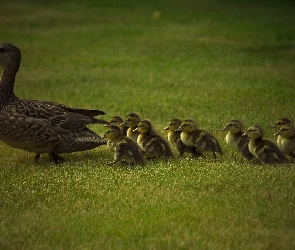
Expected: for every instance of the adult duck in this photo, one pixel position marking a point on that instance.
(41, 126)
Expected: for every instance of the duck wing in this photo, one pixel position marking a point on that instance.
(61, 117)
(86, 112)
(268, 152)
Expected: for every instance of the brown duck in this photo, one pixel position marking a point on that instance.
(131, 121)
(236, 140)
(41, 126)
(151, 143)
(287, 142)
(264, 150)
(193, 136)
(175, 140)
(125, 149)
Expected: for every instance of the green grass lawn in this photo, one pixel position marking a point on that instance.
(211, 61)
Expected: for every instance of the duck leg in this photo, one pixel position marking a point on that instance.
(57, 159)
(37, 157)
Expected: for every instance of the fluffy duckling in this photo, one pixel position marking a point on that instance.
(118, 120)
(131, 121)
(124, 147)
(278, 124)
(264, 150)
(151, 143)
(174, 139)
(235, 139)
(201, 139)
(287, 143)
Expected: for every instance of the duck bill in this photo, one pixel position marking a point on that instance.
(277, 134)
(245, 134)
(166, 128)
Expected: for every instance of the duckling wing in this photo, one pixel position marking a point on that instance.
(270, 153)
(206, 141)
(127, 149)
(61, 117)
(86, 112)
(242, 144)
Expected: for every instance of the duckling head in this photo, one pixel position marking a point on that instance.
(280, 122)
(173, 125)
(254, 132)
(10, 56)
(131, 120)
(188, 125)
(286, 131)
(144, 127)
(113, 131)
(115, 120)
(233, 126)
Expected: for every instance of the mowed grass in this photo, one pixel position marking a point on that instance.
(206, 60)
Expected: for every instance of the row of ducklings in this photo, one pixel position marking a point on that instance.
(251, 144)
(133, 140)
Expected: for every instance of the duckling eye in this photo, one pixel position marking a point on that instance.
(2, 49)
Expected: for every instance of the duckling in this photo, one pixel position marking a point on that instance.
(278, 124)
(151, 143)
(201, 139)
(235, 139)
(41, 126)
(287, 143)
(174, 139)
(131, 121)
(118, 120)
(124, 147)
(264, 150)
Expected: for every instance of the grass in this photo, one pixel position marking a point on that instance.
(207, 60)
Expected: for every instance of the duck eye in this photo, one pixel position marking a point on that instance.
(2, 49)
